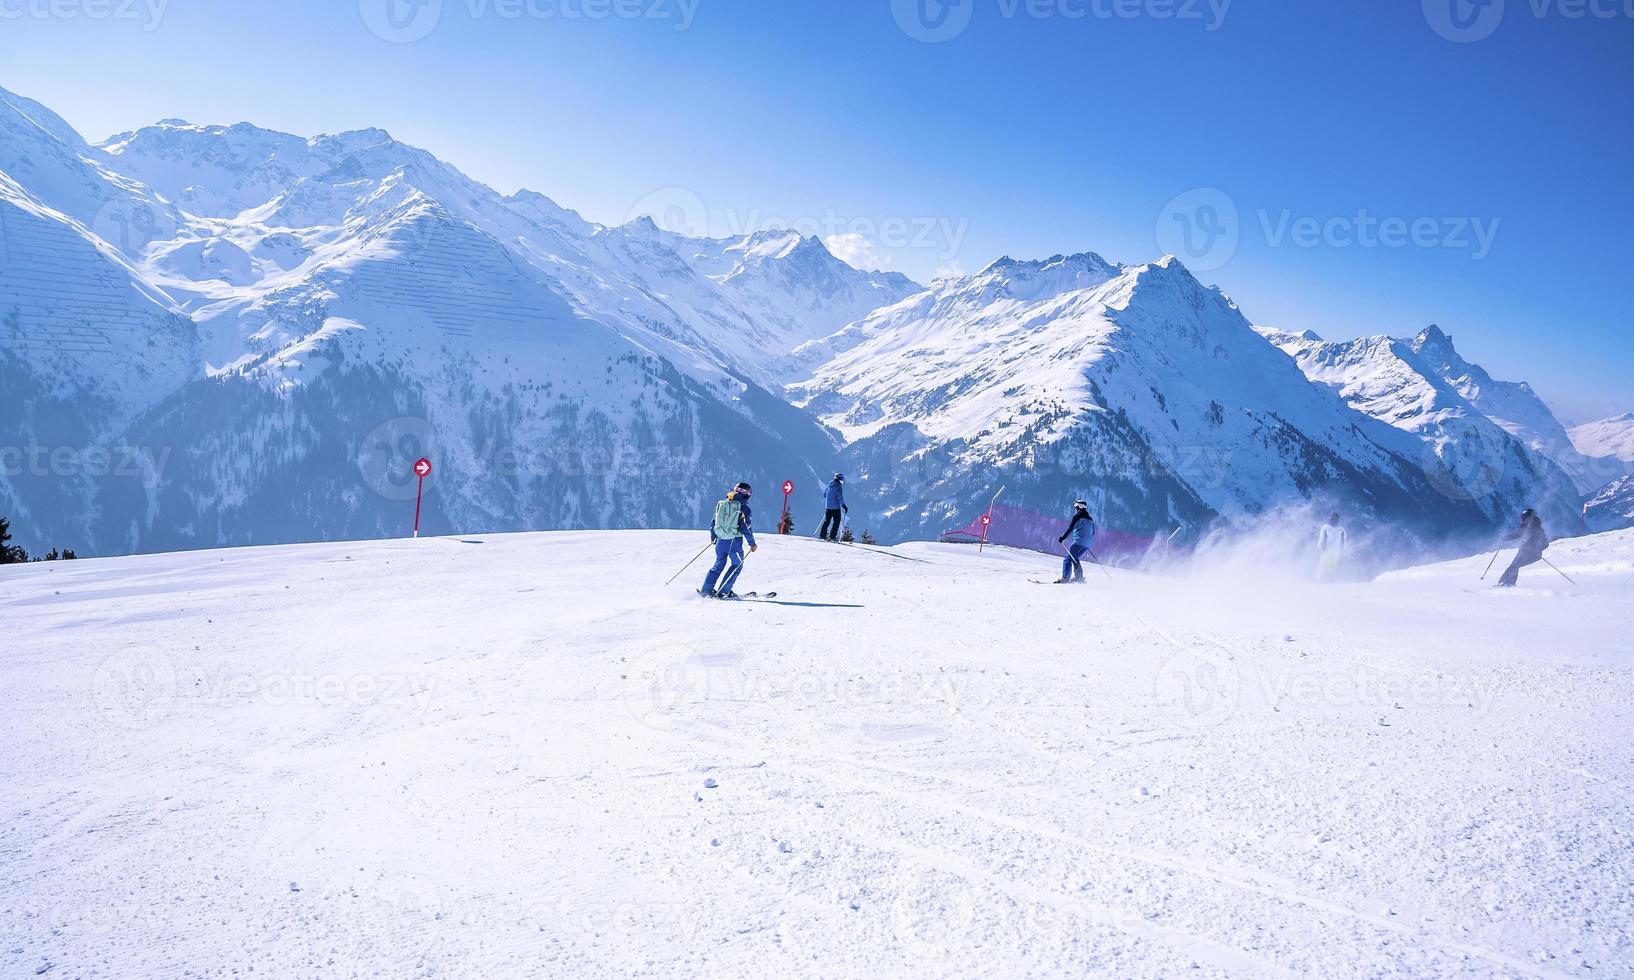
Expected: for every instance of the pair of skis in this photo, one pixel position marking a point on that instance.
(741, 595)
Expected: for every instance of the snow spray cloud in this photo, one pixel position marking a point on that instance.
(148, 14)
(1280, 544)
(1204, 228)
(937, 21)
(864, 241)
(1468, 21)
(407, 21)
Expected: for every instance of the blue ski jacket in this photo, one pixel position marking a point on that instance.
(834, 497)
(1081, 530)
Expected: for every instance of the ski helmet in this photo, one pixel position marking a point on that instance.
(839, 478)
(743, 488)
(1528, 512)
(1081, 504)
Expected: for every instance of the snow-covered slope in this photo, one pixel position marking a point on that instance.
(522, 755)
(1420, 387)
(1135, 387)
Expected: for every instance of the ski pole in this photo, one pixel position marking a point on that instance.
(1562, 574)
(688, 565)
(1098, 564)
(1489, 564)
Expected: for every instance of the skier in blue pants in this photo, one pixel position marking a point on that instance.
(1082, 532)
(730, 528)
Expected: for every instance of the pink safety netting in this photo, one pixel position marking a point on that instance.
(1016, 527)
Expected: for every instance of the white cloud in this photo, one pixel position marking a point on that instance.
(857, 250)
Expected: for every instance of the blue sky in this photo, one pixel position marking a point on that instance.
(1349, 167)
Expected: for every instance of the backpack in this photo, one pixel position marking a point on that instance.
(727, 513)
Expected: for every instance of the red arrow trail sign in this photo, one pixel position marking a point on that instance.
(422, 469)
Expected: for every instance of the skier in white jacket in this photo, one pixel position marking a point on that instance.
(1330, 549)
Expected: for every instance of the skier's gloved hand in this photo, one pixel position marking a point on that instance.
(1061, 540)
(846, 508)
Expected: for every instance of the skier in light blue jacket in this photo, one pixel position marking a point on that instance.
(732, 525)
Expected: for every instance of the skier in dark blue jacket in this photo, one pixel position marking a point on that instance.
(730, 528)
(1082, 533)
(834, 502)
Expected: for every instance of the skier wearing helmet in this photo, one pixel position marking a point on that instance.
(834, 502)
(1082, 533)
(730, 528)
(1533, 541)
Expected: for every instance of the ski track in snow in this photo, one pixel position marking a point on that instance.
(427, 758)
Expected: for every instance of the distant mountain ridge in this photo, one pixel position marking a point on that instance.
(264, 330)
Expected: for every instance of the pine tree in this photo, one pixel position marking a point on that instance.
(9, 554)
(845, 535)
(787, 524)
(868, 538)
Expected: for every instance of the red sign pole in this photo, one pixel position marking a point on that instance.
(987, 520)
(783, 525)
(422, 469)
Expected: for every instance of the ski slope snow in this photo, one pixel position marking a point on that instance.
(524, 755)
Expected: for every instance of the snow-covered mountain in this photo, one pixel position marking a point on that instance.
(1611, 508)
(1513, 405)
(277, 326)
(1611, 438)
(1134, 386)
(1423, 387)
(225, 335)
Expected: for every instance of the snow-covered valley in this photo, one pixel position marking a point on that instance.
(524, 755)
